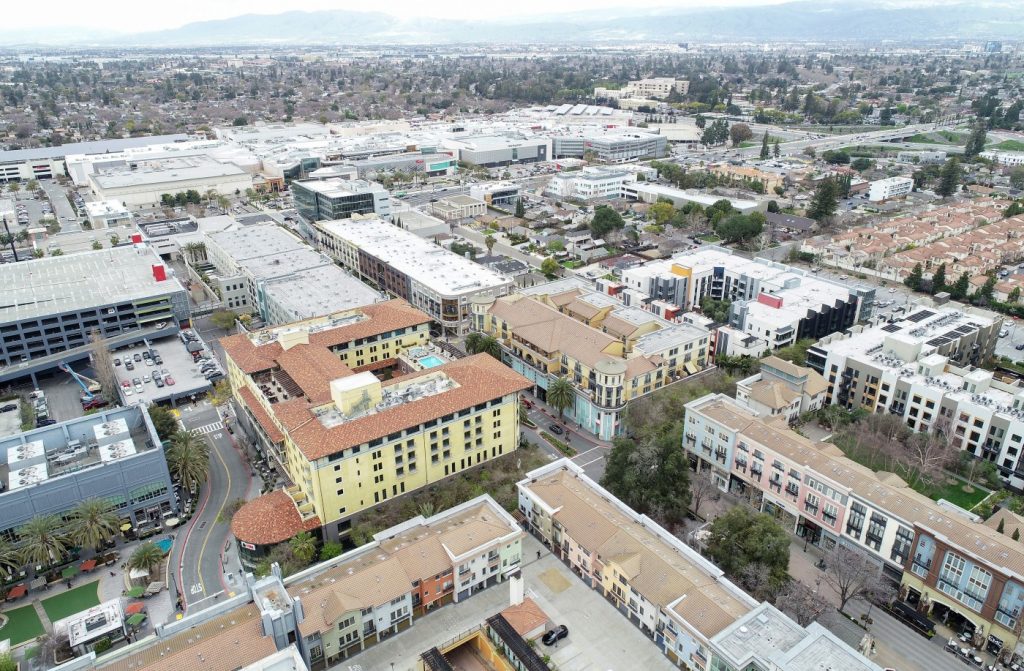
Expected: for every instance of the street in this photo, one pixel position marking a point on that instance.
(590, 452)
(62, 209)
(197, 556)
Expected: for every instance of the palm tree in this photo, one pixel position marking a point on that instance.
(426, 509)
(490, 345)
(473, 342)
(188, 459)
(93, 522)
(10, 558)
(561, 394)
(147, 557)
(303, 547)
(43, 540)
(489, 241)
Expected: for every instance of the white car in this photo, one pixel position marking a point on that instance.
(127, 391)
(893, 290)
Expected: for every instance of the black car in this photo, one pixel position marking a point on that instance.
(552, 636)
(1019, 347)
(46, 422)
(556, 429)
(8, 407)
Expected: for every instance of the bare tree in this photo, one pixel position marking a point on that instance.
(756, 579)
(702, 487)
(802, 602)
(103, 365)
(852, 575)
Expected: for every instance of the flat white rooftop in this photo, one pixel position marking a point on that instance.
(434, 267)
(57, 284)
(319, 291)
(169, 170)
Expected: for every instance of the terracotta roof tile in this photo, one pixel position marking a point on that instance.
(271, 518)
(525, 617)
(250, 401)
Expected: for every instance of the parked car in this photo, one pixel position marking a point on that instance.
(159, 382)
(117, 361)
(46, 422)
(1019, 347)
(128, 365)
(137, 358)
(1004, 333)
(9, 407)
(552, 636)
(556, 429)
(169, 381)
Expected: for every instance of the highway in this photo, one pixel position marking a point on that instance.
(197, 556)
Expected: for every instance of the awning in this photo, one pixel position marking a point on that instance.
(136, 620)
(171, 522)
(135, 592)
(690, 367)
(17, 592)
(134, 608)
(88, 565)
(127, 526)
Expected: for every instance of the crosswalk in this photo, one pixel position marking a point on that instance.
(210, 428)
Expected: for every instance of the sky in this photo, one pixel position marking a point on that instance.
(142, 15)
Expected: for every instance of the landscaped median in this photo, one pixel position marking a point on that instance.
(564, 448)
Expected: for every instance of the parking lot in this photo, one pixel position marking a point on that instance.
(179, 376)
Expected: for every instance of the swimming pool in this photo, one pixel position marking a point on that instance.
(164, 544)
(431, 361)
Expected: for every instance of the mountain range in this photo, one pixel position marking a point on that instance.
(823, 21)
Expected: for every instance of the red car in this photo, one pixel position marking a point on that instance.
(168, 380)
(526, 403)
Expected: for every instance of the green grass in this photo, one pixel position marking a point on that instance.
(562, 447)
(1010, 145)
(940, 137)
(23, 624)
(955, 493)
(710, 237)
(72, 601)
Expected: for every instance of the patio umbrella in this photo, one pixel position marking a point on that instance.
(134, 608)
(136, 620)
(136, 592)
(69, 572)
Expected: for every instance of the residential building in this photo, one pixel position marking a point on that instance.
(653, 87)
(922, 157)
(889, 188)
(330, 199)
(270, 271)
(947, 564)
(496, 194)
(347, 440)
(453, 208)
(776, 303)
(683, 602)
(782, 389)
(405, 265)
(333, 610)
(596, 182)
(54, 303)
(143, 182)
(611, 353)
(114, 455)
(749, 175)
(1005, 158)
(107, 214)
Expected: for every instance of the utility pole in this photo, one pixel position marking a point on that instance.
(10, 237)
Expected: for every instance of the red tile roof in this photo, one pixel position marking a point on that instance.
(271, 518)
(261, 415)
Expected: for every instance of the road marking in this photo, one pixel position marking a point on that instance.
(196, 589)
(593, 461)
(209, 428)
(585, 452)
(224, 503)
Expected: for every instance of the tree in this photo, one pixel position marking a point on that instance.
(976, 141)
(773, 207)
(490, 345)
(740, 132)
(473, 342)
(147, 557)
(914, 279)
(561, 394)
(765, 151)
(163, 421)
(550, 267)
(716, 133)
(8, 663)
(651, 474)
(1014, 295)
(801, 602)
(702, 487)
(605, 220)
(852, 575)
(14, 187)
(97, 245)
(775, 149)
(949, 178)
(700, 121)
(303, 546)
(221, 393)
(330, 550)
(1017, 177)
(1013, 210)
(825, 200)
(740, 227)
(861, 163)
(10, 559)
(489, 243)
(661, 212)
(188, 459)
(836, 157)
(42, 540)
(103, 364)
(1001, 527)
(92, 523)
(223, 319)
(959, 289)
(520, 209)
(742, 537)
(939, 279)
(983, 296)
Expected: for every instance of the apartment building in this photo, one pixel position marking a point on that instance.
(658, 88)
(344, 438)
(611, 353)
(595, 182)
(269, 271)
(453, 208)
(332, 198)
(684, 603)
(53, 304)
(889, 188)
(435, 280)
(773, 302)
(946, 562)
(496, 194)
(1005, 158)
(333, 610)
(113, 454)
(782, 389)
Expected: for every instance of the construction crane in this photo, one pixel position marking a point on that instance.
(90, 387)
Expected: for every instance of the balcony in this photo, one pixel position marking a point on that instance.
(812, 508)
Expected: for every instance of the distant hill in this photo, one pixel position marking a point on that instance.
(822, 20)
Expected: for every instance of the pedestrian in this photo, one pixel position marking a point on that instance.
(538, 554)
(113, 575)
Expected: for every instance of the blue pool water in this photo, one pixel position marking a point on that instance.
(431, 361)
(164, 544)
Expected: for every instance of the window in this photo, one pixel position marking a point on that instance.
(855, 523)
(901, 546)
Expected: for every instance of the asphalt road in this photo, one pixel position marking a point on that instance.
(590, 452)
(198, 553)
(61, 205)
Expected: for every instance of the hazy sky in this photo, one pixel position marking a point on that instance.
(141, 15)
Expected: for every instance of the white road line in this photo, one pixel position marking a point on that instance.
(585, 452)
(209, 428)
(592, 461)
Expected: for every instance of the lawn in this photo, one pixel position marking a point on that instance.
(954, 493)
(710, 237)
(1010, 145)
(22, 625)
(72, 601)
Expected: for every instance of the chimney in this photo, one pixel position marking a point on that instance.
(159, 272)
